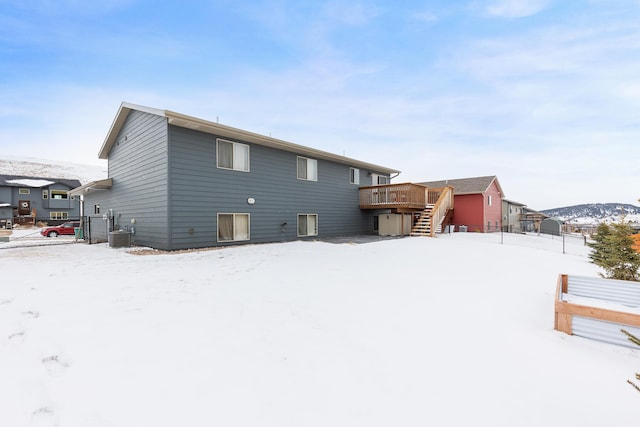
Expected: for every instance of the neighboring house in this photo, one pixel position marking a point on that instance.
(478, 202)
(512, 216)
(27, 200)
(531, 219)
(178, 182)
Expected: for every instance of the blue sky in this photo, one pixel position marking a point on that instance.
(544, 94)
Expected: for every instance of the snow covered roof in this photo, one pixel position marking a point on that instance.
(35, 182)
(27, 182)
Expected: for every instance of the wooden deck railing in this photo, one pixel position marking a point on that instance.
(443, 203)
(407, 195)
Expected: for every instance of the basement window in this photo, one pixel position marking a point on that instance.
(233, 227)
(307, 225)
(59, 215)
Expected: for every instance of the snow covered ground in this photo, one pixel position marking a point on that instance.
(452, 331)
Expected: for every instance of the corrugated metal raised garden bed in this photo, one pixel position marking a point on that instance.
(597, 308)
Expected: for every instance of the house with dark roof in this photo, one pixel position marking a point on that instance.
(28, 199)
(513, 218)
(178, 182)
(478, 202)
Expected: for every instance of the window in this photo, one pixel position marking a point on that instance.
(307, 169)
(58, 215)
(233, 227)
(497, 225)
(24, 191)
(96, 209)
(354, 176)
(307, 225)
(489, 200)
(59, 195)
(45, 194)
(379, 179)
(232, 155)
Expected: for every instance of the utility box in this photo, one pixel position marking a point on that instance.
(78, 232)
(394, 224)
(119, 239)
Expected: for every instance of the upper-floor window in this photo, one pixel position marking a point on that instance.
(232, 155)
(24, 191)
(489, 200)
(307, 169)
(354, 176)
(59, 195)
(379, 179)
(45, 194)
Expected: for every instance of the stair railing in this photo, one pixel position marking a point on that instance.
(443, 202)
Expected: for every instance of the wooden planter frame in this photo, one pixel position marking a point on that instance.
(565, 310)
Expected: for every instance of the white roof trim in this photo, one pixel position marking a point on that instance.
(181, 120)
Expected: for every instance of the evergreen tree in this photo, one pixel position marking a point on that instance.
(612, 250)
(636, 341)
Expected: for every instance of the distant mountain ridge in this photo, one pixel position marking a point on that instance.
(51, 169)
(594, 213)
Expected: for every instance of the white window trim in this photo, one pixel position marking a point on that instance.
(234, 227)
(59, 215)
(233, 160)
(354, 176)
(24, 191)
(61, 192)
(314, 178)
(315, 232)
(45, 194)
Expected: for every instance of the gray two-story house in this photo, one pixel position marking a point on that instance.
(28, 200)
(178, 182)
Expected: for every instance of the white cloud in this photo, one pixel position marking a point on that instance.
(515, 8)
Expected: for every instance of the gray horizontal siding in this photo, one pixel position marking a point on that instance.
(199, 191)
(138, 166)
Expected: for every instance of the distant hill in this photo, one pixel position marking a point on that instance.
(595, 213)
(52, 169)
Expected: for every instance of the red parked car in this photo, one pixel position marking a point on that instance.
(66, 229)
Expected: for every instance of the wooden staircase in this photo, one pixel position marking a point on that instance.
(437, 211)
(422, 227)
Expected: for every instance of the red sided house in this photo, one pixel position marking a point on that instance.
(477, 201)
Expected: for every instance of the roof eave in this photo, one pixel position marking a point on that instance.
(117, 124)
(103, 184)
(182, 120)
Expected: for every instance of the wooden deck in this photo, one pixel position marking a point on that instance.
(394, 196)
